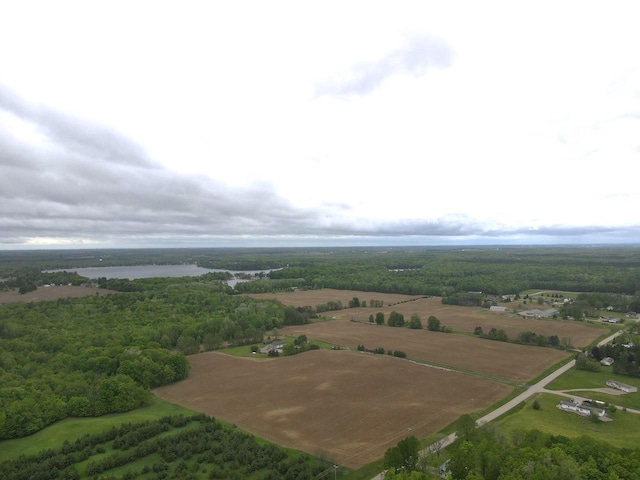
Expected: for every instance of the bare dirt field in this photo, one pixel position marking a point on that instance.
(349, 406)
(459, 319)
(518, 363)
(312, 298)
(52, 293)
(466, 319)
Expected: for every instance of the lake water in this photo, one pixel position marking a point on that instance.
(151, 271)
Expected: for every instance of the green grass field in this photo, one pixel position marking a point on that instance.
(621, 432)
(72, 428)
(582, 380)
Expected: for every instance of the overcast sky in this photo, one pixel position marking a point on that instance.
(318, 123)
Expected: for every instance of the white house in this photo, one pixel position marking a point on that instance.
(621, 386)
(607, 361)
(496, 308)
(580, 409)
(277, 346)
(537, 313)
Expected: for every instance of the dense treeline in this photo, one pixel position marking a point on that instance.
(449, 271)
(102, 354)
(617, 302)
(624, 350)
(485, 454)
(179, 447)
(422, 271)
(537, 455)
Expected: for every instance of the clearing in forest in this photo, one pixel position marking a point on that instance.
(53, 293)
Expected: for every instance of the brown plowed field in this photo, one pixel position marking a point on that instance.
(312, 298)
(349, 406)
(459, 319)
(518, 363)
(52, 293)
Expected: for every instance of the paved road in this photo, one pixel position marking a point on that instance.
(538, 387)
(532, 390)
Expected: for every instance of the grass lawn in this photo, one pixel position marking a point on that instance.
(582, 380)
(72, 428)
(621, 432)
(548, 293)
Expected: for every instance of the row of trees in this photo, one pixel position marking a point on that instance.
(525, 337)
(396, 319)
(204, 447)
(381, 351)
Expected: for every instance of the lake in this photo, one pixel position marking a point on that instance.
(150, 271)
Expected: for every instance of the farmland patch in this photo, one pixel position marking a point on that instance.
(459, 319)
(348, 406)
(518, 363)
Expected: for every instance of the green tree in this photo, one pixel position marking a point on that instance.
(395, 319)
(415, 322)
(404, 455)
(433, 324)
(380, 318)
(466, 426)
(463, 461)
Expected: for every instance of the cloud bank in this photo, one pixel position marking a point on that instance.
(67, 181)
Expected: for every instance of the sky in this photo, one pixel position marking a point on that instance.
(252, 123)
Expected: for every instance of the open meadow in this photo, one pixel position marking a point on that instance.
(350, 407)
(621, 432)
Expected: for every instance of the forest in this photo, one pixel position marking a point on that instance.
(487, 454)
(102, 354)
(438, 271)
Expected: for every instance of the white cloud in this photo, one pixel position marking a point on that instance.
(414, 57)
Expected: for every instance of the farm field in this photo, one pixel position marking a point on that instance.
(52, 293)
(459, 319)
(348, 406)
(518, 363)
(302, 298)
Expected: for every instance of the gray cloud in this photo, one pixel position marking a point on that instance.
(88, 182)
(418, 54)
